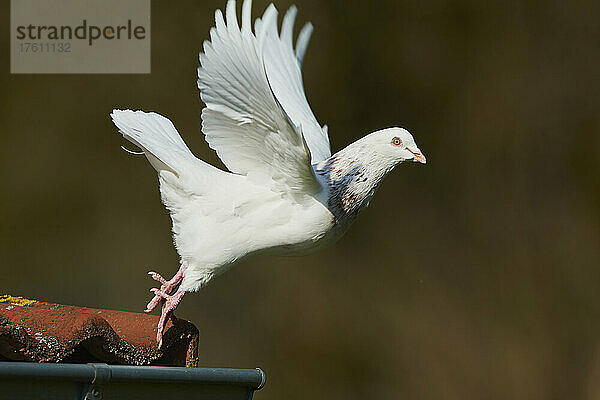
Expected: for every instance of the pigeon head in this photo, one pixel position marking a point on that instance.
(354, 173)
(393, 145)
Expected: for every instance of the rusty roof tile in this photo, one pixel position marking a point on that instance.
(37, 331)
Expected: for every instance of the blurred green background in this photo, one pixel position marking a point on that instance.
(475, 276)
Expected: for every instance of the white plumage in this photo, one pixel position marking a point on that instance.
(284, 191)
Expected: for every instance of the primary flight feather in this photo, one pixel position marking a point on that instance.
(284, 191)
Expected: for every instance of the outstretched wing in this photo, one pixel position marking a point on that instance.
(252, 119)
(282, 66)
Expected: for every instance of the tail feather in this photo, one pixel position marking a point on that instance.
(156, 136)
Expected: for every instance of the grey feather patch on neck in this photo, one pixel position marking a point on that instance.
(352, 178)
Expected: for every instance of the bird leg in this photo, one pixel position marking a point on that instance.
(166, 287)
(170, 304)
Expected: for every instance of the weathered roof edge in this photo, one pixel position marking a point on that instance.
(36, 331)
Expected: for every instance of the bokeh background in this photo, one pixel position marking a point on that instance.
(475, 276)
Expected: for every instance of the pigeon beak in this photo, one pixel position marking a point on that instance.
(419, 157)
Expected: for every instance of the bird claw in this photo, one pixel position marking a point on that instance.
(171, 303)
(163, 294)
(154, 302)
(158, 277)
(166, 287)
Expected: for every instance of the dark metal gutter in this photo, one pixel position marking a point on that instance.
(100, 381)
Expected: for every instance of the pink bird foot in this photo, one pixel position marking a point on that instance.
(167, 286)
(170, 304)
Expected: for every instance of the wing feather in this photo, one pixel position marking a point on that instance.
(253, 129)
(282, 66)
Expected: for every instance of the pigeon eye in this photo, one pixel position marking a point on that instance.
(396, 141)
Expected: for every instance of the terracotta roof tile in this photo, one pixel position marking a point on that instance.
(37, 331)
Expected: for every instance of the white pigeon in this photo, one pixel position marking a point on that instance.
(284, 191)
